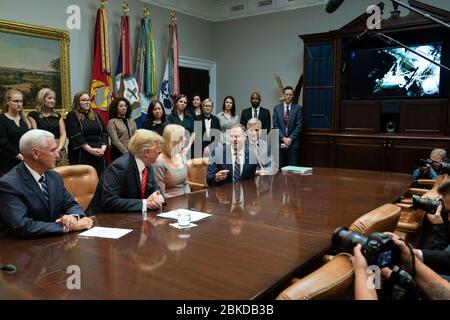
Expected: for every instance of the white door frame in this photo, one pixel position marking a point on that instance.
(202, 64)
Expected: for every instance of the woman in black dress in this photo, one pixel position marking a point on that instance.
(13, 124)
(156, 117)
(46, 118)
(181, 117)
(87, 134)
(195, 107)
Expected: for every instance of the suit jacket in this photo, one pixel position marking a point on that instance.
(221, 159)
(294, 125)
(119, 188)
(211, 139)
(263, 116)
(25, 212)
(437, 254)
(118, 132)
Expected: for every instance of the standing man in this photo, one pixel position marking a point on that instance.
(128, 184)
(287, 118)
(33, 199)
(256, 111)
(232, 162)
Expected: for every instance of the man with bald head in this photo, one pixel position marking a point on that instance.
(256, 111)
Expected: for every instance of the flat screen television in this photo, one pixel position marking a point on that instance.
(394, 72)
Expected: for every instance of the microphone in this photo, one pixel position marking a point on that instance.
(332, 5)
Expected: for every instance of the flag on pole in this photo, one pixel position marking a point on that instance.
(101, 91)
(125, 84)
(170, 86)
(145, 69)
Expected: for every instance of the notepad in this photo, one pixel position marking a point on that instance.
(299, 170)
(195, 215)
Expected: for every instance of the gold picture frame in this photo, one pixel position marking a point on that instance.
(33, 57)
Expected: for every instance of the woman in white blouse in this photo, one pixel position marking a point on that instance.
(228, 116)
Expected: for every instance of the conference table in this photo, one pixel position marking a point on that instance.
(261, 233)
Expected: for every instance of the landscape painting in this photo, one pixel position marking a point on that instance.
(31, 59)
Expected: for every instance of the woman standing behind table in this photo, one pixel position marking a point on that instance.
(120, 127)
(46, 118)
(170, 167)
(180, 116)
(228, 116)
(156, 117)
(13, 125)
(87, 134)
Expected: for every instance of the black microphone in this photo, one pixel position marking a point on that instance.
(332, 5)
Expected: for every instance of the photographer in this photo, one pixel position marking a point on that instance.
(429, 170)
(432, 285)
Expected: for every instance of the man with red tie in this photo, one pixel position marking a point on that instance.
(128, 184)
(287, 118)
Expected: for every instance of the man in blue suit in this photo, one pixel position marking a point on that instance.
(33, 199)
(231, 162)
(128, 184)
(287, 117)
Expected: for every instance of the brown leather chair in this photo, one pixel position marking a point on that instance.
(334, 279)
(197, 169)
(81, 181)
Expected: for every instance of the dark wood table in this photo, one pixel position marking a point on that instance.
(243, 251)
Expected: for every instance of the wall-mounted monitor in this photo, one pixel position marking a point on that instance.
(394, 72)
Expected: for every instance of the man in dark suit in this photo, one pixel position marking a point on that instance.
(266, 164)
(128, 184)
(231, 162)
(33, 199)
(210, 128)
(287, 118)
(256, 111)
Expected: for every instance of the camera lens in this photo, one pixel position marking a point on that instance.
(425, 204)
(345, 240)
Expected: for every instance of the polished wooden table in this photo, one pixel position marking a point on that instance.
(262, 231)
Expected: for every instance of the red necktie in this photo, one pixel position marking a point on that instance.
(144, 182)
(286, 117)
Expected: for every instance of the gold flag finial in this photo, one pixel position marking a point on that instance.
(173, 16)
(125, 8)
(146, 12)
(102, 4)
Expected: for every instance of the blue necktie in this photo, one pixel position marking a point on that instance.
(255, 113)
(44, 187)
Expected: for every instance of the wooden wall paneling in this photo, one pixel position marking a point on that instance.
(423, 116)
(360, 116)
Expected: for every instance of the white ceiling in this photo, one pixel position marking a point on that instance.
(219, 10)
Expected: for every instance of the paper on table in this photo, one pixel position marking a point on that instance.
(102, 232)
(195, 215)
(176, 225)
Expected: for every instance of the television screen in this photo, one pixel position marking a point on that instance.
(394, 72)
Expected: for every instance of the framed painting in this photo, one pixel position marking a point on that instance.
(32, 58)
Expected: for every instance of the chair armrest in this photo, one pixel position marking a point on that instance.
(419, 191)
(196, 186)
(428, 182)
(404, 206)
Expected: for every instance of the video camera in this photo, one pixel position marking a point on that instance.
(377, 248)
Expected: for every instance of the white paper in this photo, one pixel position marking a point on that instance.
(102, 232)
(176, 225)
(195, 215)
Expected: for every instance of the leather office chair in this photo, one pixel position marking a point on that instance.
(334, 279)
(81, 181)
(197, 169)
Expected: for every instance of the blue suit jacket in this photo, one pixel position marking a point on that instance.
(221, 159)
(119, 188)
(25, 212)
(294, 125)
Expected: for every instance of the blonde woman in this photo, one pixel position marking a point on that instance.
(170, 167)
(13, 125)
(87, 134)
(46, 118)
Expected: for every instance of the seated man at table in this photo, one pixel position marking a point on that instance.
(128, 184)
(33, 199)
(231, 162)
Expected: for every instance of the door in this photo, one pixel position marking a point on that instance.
(194, 81)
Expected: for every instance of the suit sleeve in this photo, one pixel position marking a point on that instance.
(276, 125)
(298, 126)
(113, 188)
(438, 260)
(212, 169)
(243, 118)
(439, 238)
(16, 216)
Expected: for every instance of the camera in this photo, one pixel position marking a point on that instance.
(426, 204)
(423, 162)
(377, 248)
(443, 168)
